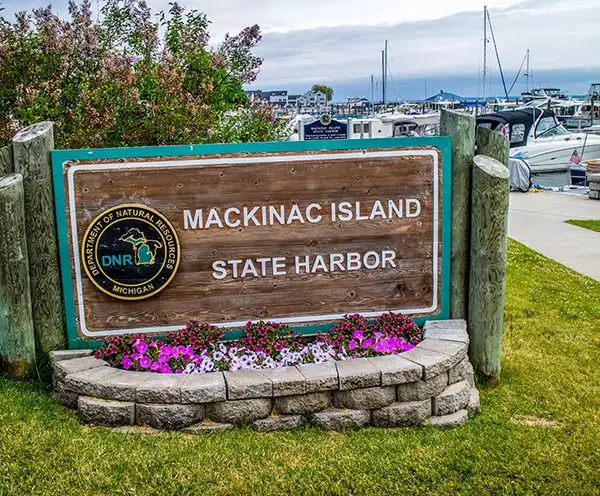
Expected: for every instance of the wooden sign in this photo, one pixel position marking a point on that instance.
(298, 233)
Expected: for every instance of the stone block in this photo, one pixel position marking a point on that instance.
(358, 373)
(207, 426)
(473, 406)
(61, 355)
(160, 388)
(594, 177)
(106, 382)
(170, 417)
(402, 414)
(136, 429)
(454, 398)
(423, 390)
(433, 363)
(396, 370)
(247, 384)
(365, 399)
(283, 423)
(65, 397)
(463, 371)
(454, 349)
(89, 382)
(449, 330)
(450, 421)
(204, 388)
(449, 324)
(595, 186)
(338, 420)
(304, 403)
(286, 381)
(320, 377)
(239, 411)
(594, 195)
(105, 412)
(63, 368)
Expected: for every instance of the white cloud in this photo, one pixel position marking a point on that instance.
(558, 36)
(283, 16)
(341, 40)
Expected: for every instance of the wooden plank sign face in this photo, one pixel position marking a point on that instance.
(294, 233)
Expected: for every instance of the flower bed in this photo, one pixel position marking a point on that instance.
(198, 347)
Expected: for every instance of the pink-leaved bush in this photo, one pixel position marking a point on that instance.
(132, 78)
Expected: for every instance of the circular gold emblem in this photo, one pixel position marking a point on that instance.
(130, 252)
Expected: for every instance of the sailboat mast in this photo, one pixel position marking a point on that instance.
(372, 95)
(484, 50)
(528, 69)
(386, 68)
(383, 76)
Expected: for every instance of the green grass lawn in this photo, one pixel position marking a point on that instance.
(538, 433)
(592, 225)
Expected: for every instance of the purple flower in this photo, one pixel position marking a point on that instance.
(352, 345)
(359, 335)
(145, 362)
(141, 347)
(165, 369)
(167, 350)
(155, 367)
(126, 362)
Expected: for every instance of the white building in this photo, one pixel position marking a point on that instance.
(277, 97)
(313, 99)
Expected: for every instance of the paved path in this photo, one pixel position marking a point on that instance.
(537, 221)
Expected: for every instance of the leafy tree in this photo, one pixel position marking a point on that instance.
(132, 79)
(324, 89)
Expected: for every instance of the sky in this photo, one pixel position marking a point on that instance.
(433, 44)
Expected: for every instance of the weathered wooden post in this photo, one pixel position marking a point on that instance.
(461, 127)
(493, 145)
(17, 338)
(31, 154)
(488, 264)
(6, 160)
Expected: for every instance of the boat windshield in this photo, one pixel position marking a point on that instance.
(558, 130)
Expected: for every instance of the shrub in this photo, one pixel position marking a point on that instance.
(132, 79)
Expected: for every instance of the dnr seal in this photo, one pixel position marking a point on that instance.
(130, 252)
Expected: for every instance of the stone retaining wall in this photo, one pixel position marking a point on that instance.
(431, 383)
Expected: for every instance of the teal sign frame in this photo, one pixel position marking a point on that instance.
(59, 157)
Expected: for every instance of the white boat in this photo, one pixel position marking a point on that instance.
(539, 139)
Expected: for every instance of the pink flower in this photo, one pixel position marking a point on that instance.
(352, 345)
(165, 369)
(359, 335)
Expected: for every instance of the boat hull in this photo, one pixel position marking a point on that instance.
(555, 156)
